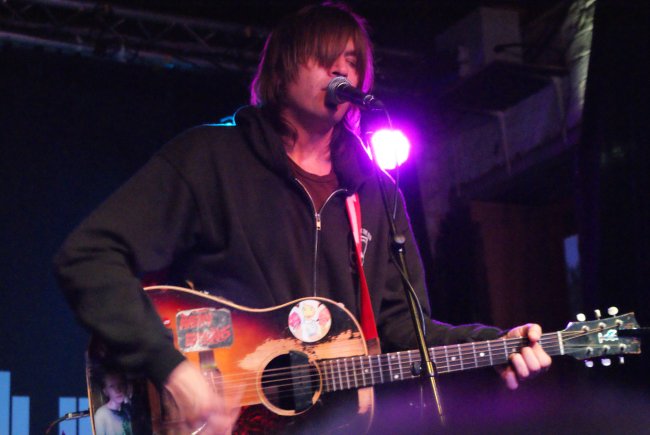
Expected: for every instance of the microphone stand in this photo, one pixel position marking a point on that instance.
(427, 367)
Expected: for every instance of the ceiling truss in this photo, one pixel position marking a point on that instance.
(127, 35)
(136, 36)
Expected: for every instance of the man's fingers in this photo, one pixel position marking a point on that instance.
(223, 418)
(531, 362)
(541, 355)
(519, 365)
(533, 331)
(510, 378)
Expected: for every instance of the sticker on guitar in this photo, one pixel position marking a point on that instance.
(204, 329)
(310, 320)
(607, 336)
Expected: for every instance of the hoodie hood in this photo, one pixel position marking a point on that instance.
(350, 160)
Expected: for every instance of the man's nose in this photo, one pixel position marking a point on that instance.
(340, 67)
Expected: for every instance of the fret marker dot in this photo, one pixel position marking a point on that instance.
(396, 376)
(482, 354)
(453, 358)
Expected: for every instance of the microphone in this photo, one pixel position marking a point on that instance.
(340, 90)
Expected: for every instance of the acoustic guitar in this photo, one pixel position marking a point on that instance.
(304, 366)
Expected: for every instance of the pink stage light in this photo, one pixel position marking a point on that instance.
(391, 148)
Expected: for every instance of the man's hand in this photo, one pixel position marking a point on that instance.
(203, 410)
(530, 362)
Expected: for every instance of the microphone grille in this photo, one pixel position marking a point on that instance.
(334, 84)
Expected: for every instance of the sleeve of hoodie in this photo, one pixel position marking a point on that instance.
(139, 229)
(395, 324)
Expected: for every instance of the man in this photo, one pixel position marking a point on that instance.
(256, 213)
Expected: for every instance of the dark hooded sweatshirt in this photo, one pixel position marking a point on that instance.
(220, 207)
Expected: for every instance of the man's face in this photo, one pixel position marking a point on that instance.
(306, 94)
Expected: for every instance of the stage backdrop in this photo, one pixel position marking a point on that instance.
(71, 131)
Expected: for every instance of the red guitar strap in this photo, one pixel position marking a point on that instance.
(368, 324)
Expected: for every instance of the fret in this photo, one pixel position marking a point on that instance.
(505, 348)
(516, 347)
(399, 364)
(560, 343)
(338, 368)
(363, 376)
(372, 375)
(363, 370)
(381, 372)
(481, 356)
(453, 354)
(326, 375)
(436, 363)
(320, 365)
(447, 358)
(474, 352)
(354, 373)
(333, 375)
(390, 368)
(347, 373)
(326, 380)
(410, 362)
(490, 353)
(460, 356)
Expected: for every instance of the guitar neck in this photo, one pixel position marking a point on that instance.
(368, 370)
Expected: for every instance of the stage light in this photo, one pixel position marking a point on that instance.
(391, 148)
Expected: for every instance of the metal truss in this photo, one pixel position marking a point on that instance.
(135, 36)
(128, 35)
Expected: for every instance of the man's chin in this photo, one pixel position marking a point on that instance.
(337, 112)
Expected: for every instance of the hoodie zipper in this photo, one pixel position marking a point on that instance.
(318, 226)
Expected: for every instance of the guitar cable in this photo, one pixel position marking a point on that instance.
(69, 416)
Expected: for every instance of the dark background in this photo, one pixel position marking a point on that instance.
(72, 129)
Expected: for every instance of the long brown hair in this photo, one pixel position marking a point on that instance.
(318, 32)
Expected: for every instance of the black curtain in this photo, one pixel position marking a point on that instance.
(613, 169)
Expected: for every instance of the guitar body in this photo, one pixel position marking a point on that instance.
(263, 360)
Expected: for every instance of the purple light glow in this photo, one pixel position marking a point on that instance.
(391, 148)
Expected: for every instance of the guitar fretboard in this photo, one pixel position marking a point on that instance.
(364, 371)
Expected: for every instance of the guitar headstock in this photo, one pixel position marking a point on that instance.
(601, 337)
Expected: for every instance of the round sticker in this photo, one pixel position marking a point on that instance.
(309, 320)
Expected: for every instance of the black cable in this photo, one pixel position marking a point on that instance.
(69, 416)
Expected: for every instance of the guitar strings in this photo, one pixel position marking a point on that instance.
(343, 384)
(410, 352)
(284, 370)
(386, 362)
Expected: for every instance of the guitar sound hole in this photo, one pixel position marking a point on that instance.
(290, 382)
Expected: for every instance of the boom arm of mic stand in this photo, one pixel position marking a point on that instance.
(427, 366)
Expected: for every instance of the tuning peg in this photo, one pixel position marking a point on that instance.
(606, 362)
(621, 360)
(597, 313)
(612, 311)
(581, 317)
(589, 363)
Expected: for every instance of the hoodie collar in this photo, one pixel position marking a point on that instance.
(350, 160)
